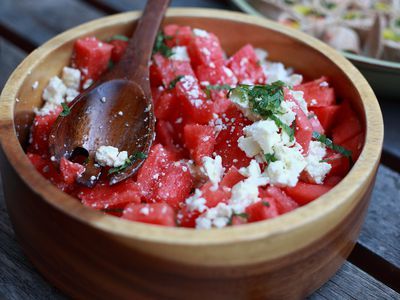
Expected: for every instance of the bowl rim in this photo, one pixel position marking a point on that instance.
(371, 62)
(354, 182)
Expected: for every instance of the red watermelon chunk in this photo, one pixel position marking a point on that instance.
(153, 168)
(166, 70)
(177, 35)
(317, 93)
(262, 210)
(215, 74)
(40, 132)
(187, 217)
(284, 203)
(175, 186)
(245, 65)
(326, 116)
(118, 50)
(70, 171)
(355, 145)
(340, 165)
(231, 178)
(104, 196)
(195, 106)
(304, 128)
(226, 145)
(205, 50)
(347, 125)
(200, 141)
(154, 213)
(304, 193)
(167, 136)
(166, 104)
(91, 56)
(315, 124)
(214, 195)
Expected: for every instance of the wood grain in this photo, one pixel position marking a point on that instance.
(306, 246)
(38, 23)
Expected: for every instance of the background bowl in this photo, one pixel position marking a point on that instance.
(89, 254)
(382, 75)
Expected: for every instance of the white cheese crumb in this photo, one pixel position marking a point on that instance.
(35, 85)
(46, 109)
(213, 169)
(103, 99)
(55, 91)
(298, 96)
(315, 168)
(200, 32)
(71, 78)
(71, 94)
(288, 115)
(217, 216)
(264, 133)
(93, 178)
(110, 156)
(245, 192)
(286, 170)
(196, 202)
(180, 53)
(87, 83)
(313, 102)
(324, 84)
(145, 211)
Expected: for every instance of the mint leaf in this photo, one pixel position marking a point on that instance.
(66, 110)
(173, 83)
(328, 143)
(128, 162)
(119, 37)
(270, 157)
(161, 47)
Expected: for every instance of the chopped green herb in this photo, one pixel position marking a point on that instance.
(329, 159)
(161, 47)
(270, 157)
(175, 81)
(266, 203)
(264, 100)
(66, 110)
(242, 215)
(311, 116)
(129, 161)
(328, 143)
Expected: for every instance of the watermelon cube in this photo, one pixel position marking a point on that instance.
(205, 49)
(175, 185)
(326, 116)
(70, 171)
(155, 213)
(262, 210)
(200, 141)
(284, 203)
(91, 56)
(304, 193)
(40, 132)
(177, 35)
(347, 125)
(118, 50)
(245, 65)
(317, 93)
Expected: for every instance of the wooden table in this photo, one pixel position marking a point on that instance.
(371, 272)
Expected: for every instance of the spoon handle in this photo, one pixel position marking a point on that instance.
(134, 64)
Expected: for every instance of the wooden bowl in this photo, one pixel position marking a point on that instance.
(88, 254)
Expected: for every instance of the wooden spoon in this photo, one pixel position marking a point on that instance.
(117, 110)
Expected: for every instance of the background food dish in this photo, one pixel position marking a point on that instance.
(381, 74)
(121, 248)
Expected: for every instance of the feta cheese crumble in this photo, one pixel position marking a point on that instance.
(180, 53)
(315, 168)
(55, 91)
(218, 216)
(196, 202)
(200, 32)
(71, 78)
(213, 169)
(286, 170)
(110, 156)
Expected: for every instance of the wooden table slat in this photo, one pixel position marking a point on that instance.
(38, 21)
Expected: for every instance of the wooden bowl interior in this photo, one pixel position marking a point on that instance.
(233, 35)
